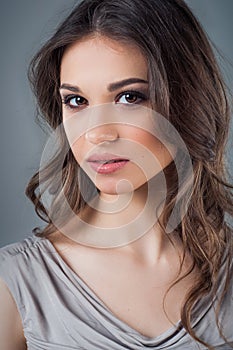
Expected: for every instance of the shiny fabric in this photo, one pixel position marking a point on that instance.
(60, 312)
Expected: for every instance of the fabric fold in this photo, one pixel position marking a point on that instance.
(60, 311)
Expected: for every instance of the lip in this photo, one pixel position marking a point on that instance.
(106, 163)
(104, 157)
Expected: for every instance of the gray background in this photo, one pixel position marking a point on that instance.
(24, 26)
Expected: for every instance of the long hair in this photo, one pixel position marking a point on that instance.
(185, 86)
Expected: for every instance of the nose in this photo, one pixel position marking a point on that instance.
(105, 133)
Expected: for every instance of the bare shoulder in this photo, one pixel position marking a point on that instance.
(11, 329)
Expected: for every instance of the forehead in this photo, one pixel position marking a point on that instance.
(102, 55)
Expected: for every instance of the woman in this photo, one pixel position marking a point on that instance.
(137, 251)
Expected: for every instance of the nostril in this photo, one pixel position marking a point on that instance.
(101, 135)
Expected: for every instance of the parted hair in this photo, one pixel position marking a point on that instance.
(186, 87)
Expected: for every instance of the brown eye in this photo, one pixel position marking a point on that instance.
(131, 97)
(74, 101)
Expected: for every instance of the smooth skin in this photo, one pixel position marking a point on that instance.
(92, 67)
(11, 330)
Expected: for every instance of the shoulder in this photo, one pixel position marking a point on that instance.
(223, 304)
(11, 257)
(8, 252)
(14, 256)
(23, 256)
(16, 262)
(225, 298)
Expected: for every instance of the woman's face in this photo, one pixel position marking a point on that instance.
(99, 72)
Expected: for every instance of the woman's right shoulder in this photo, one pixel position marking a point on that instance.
(11, 256)
(15, 258)
(14, 253)
(11, 327)
(13, 249)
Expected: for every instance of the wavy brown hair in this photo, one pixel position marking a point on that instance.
(185, 86)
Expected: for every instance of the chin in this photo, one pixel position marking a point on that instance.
(120, 186)
(115, 188)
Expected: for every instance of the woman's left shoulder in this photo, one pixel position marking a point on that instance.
(225, 297)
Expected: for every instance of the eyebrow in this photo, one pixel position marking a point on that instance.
(111, 87)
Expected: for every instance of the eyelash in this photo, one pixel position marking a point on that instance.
(66, 99)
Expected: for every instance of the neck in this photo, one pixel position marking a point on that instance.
(127, 221)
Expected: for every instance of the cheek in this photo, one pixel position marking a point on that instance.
(163, 153)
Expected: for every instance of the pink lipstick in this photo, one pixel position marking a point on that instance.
(106, 163)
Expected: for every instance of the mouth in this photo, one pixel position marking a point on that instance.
(106, 163)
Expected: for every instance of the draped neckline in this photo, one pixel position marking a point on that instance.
(167, 333)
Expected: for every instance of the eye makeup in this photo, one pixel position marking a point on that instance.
(131, 97)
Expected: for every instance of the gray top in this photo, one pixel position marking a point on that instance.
(60, 312)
